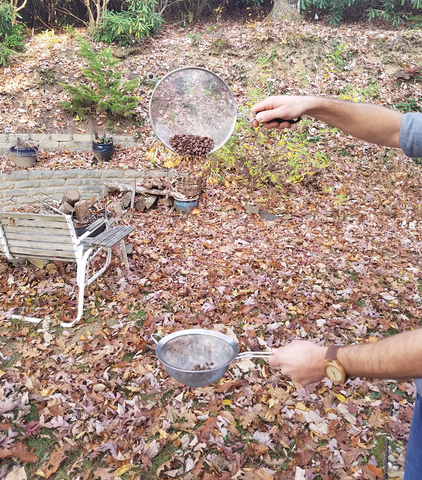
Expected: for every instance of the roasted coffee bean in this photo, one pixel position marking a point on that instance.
(191, 145)
(206, 366)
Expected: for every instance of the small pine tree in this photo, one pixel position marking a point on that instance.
(109, 94)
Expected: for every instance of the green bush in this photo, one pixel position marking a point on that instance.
(108, 94)
(394, 11)
(11, 36)
(410, 105)
(139, 20)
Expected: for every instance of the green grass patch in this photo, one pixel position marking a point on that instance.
(379, 450)
(164, 456)
(11, 362)
(128, 356)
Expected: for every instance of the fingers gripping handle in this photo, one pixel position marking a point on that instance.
(279, 120)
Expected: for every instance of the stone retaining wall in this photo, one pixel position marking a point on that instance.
(56, 141)
(15, 186)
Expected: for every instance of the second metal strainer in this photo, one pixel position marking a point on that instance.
(193, 101)
(198, 357)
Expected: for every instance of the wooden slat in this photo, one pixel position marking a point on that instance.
(39, 216)
(47, 254)
(37, 257)
(110, 237)
(30, 230)
(36, 236)
(35, 224)
(42, 245)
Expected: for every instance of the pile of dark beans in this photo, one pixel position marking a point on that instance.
(206, 366)
(191, 145)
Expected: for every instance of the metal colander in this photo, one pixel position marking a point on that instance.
(193, 101)
(198, 357)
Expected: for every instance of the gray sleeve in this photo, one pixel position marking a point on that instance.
(411, 135)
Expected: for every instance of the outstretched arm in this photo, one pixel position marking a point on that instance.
(372, 123)
(397, 357)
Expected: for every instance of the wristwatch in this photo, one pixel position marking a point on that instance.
(332, 367)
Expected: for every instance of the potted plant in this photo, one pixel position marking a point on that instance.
(103, 148)
(23, 154)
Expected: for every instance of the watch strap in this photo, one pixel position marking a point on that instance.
(331, 353)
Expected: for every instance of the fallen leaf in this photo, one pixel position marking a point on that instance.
(17, 474)
(122, 470)
(207, 428)
(376, 470)
(52, 465)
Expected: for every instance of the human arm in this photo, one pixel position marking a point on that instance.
(397, 357)
(371, 123)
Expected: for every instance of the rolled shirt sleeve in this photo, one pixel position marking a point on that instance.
(411, 135)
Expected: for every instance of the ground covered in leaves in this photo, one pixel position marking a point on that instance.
(339, 262)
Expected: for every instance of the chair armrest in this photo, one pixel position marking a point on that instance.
(109, 237)
(97, 227)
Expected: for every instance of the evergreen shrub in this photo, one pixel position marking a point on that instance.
(108, 93)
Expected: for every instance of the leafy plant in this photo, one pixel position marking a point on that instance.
(396, 12)
(287, 161)
(11, 36)
(361, 94)
(108, 94)
(50, 38)
(411, 105)
(196, 37)
(103, 140)
(139, 20)
(69, 29)
(46, 76)
(414, 22)
(340, 55)
(266, 61)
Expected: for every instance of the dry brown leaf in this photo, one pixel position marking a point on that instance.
(52, 465)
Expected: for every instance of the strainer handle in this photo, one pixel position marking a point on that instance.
(152, 78)
(153, 335)
(243, 355)
(245, 116)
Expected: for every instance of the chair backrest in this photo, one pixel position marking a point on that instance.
(32, 235)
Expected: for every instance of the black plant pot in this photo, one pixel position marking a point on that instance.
(103, 151)
(23, 157)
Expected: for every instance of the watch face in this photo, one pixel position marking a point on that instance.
(333, 373)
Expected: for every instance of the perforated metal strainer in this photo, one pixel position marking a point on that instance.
(198, 357)
(193, 101)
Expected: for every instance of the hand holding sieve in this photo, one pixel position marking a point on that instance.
(279, 120)
(194, 101)
(198, 357)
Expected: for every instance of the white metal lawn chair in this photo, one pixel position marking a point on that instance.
(53, 237)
